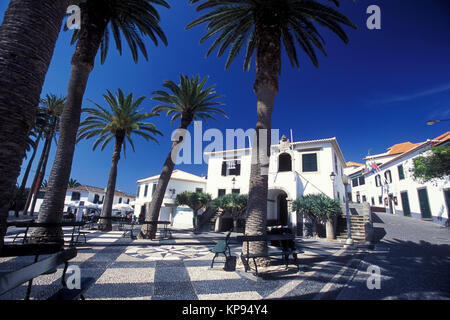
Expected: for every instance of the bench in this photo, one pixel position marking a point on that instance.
(14, 279)
(284, 251)
(32, 224)
(221, 247)
(165, 233)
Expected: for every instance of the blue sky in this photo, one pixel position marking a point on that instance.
(376, 91)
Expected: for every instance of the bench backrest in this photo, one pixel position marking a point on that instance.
(29, 249)
(268, 237)
(14, 279)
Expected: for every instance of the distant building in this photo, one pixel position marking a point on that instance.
(179, 182)
(295, 169)
(77, 195)
(392, 187)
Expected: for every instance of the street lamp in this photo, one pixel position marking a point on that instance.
(349, 240)
(431, 122)
(333, 177)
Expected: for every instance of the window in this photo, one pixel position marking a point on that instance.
(401, 173)
(364, 199)
(221, 192)
(338, 196)
(120, 200)
(309, 162)
(380, 200)
(388, 176)
(145, 190)
(335, 163)
(236, 191)
(362, 181)
(284, 162)
(355, 182)
(231, 168)
(358, 198)
(198, 189)
(96, 198)
(41, 195)
(373, 201)
(128, 201)
(377, 180)
(75, 196)
(153, 188)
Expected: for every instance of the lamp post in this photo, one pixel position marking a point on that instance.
(333, 177)
(349, 241)
(431, 122)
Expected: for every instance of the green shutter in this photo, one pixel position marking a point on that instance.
(424, 204)
(401, 174)
(405, 204)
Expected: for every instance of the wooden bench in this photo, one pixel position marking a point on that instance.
(283, 252)
(14, 279)
(221, 247)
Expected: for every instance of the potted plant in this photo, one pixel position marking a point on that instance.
(319, 208)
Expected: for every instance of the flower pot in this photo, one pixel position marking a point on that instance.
(330, 228)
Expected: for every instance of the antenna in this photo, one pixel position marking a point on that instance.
(292, 139)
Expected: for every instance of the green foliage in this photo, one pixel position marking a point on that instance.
(194, 200)
(132, 19)
(233, 204)
(433, 166)
(125, 119)
(73, 183)
(189, 100)
(234, 23)
(317, 206)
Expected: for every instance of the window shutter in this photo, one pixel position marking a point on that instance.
(224, 168)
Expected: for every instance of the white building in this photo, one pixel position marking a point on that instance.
(392, 185)
(179, 182)
(295, 169)
(78, 195)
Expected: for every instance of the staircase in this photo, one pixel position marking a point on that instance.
(357, 229)
(208, 220)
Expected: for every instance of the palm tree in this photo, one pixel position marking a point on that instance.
(125, 119)
(28, 36)
(100, 19)
(266, 25)
(188, 101)
(73, 183)
(48, 115)
(195, 201)
(233, 204)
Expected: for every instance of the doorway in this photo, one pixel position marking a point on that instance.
(282, 209)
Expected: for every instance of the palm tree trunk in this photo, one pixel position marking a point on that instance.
(44, 165)
(106, 224)
(268, 62)
(93, 24)
(36, 178)
(26, 174)
(152, 214)
(28, 36)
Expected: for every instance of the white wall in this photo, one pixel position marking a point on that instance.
(435, 189)
(169, 198)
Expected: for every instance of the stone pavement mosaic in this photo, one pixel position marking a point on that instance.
(179, 269)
